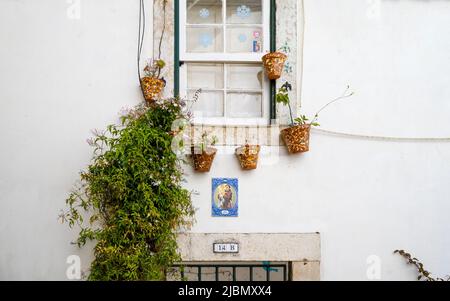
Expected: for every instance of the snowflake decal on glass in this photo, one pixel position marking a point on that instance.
(204, 13)
(205, 40)
(243, 11)
(242, 38)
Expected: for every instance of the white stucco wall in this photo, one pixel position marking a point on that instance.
(62, 77)
(364, 197)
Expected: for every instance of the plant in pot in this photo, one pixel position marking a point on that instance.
(153, 83)
(296, 136)
(203, 153)
(274, 63)
(248, 156)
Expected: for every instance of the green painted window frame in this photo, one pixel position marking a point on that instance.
(273, 42)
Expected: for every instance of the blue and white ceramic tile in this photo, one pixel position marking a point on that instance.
(225, 197)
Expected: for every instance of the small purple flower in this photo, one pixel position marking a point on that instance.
(96, 132)
(125, 111)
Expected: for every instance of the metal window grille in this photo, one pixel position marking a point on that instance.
(268, 272)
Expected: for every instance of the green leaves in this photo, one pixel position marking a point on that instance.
(283, 94)
(283, 98)
(131, 200)
(302, 120)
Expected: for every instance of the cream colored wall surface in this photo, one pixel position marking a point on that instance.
(64, 70)
(366, 197)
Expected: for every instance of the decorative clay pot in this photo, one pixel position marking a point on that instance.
(297, 138)
(248, 156)
(152, 88)
(274, 63)
(203, 159)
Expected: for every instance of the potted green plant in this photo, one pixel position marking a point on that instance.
(152, 83)
(248, 156)
(296, 136)
(203, 153)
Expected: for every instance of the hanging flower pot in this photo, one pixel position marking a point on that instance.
(274, 64)
(203, 158)
(248, 156)
(152, 88)
(297, 138)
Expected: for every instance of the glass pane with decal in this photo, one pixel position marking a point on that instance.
(204, 11)
(244, 39)
(209, 104)
(244, 105)
(204, 39)
(244, 11)
(205, 76)
(245, 77)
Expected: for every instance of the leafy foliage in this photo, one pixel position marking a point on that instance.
(302, 120)
(283, 94)
(423, 273)
(130, 200)
(206, 141)
(154, 67)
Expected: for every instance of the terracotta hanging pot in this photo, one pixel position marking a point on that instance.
(248, 156)
(297, 138)
(274, 64)
(203, 159)
(152, 88)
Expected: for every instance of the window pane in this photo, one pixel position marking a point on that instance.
(204, 11)
(245, 77)
(209, 104)
(244, 39)
(244, 11)
(205, 76)
(204, 39)
(244, 105)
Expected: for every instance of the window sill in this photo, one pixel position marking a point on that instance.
(235, 122)
(237, 135)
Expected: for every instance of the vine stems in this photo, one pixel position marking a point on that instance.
(346, 94)
(162, 34)
(290, 113)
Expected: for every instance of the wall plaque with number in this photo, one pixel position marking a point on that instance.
(226, 248)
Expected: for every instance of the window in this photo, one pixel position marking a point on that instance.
(231, 271)
(221, 46)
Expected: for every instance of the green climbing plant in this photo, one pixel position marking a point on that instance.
(130, 200)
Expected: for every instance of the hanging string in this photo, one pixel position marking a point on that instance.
(144, 22)
(382, 138)
(141, 36)
(163, 29)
